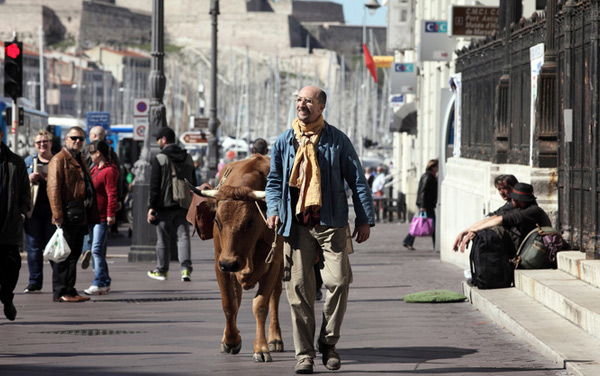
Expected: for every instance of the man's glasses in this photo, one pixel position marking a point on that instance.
(77, 138)
(41, 142)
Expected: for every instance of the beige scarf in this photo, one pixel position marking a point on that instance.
(306, 174)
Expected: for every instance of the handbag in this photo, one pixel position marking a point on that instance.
(75, 212)
(57, 249)
(421, 225)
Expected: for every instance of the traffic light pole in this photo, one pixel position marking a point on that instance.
(14, 131)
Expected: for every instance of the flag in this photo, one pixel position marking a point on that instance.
(370, 63)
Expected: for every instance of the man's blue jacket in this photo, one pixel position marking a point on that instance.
(339, 163)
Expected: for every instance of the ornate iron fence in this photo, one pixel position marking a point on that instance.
(496, 99)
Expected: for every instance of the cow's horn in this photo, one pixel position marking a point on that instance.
(259, 194)
(203, 193)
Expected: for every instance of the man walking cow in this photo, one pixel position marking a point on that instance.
(164, 211)
(305, 196)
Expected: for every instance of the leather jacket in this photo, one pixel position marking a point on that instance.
(66, 183)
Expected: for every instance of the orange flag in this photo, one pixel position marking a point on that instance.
(370, 63)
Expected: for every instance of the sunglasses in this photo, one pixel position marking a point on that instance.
(77, 138)
(41, 142)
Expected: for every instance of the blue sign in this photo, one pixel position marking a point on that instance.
(436, 27)
(94, 119)
(398, 67)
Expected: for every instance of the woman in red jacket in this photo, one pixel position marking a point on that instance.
(105, 176)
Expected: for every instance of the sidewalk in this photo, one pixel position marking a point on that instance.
(148, 327)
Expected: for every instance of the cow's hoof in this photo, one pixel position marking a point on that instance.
(262, 357)
(276, 346)
(231, 350)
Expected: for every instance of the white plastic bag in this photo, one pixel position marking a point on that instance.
(57, 249)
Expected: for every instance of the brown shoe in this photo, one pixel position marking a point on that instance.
(67, 299)
(331, 359)
(81, 298)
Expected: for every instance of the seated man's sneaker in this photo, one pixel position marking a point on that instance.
(331, 359)
(305, 366)
(186, 275)
(155, 274)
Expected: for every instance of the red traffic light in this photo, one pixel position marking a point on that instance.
(12, 50)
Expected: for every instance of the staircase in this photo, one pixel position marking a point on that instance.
(556, 311)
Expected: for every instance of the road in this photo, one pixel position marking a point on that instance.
(148, 327)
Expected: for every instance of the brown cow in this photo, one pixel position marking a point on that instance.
(243, 243)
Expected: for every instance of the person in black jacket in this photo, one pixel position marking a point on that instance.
(426, 198)
(15, 203)
(164, 211)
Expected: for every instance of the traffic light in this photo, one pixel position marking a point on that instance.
(13, 69)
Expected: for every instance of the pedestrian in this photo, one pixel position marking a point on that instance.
(105, 177)
(98, 133)
(426, 199)
(369, 176)
(525, 216)
(377, 188)
(73, 201)
(15, 203)
(309, 164)
(38, 226)
(504, 184)
(164, 211)
(260, 146)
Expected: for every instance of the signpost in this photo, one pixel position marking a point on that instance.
(93, 119)
(193, 138)
(473, 21)
(403, 78)
(141, 107)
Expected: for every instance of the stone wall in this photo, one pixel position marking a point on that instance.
(25, 17)
(345, 39)
(113, 25)
(468, 195)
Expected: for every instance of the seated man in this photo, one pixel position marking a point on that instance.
(504, 184)
(522, 219)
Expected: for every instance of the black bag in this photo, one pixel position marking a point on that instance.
(75, 212)
(490, 266)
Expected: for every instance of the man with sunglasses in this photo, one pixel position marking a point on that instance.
(73, 202)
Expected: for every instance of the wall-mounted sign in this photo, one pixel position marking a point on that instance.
(435, 43)
(473, 21)
(403, 78)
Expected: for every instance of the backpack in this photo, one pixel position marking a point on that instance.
(490, 266)
(181, 192)
(538, 249)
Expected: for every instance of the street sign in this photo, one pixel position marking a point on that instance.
(403, 78)
(473, 21)
(102, 119)
(435, 44)
(140, 127)
(193, 138)
(141, 106)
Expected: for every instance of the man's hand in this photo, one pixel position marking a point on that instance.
(463, 239)
(110, 221)
(34, 177)
(151, 216)
(362, 233)
(273, 221)
(58, 221)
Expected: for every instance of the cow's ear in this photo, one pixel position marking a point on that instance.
(205, 216)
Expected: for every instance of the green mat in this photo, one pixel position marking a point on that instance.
(434, 296)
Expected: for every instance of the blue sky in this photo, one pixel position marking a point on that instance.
(353, 13)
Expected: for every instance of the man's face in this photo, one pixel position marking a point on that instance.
(161, 142)
(504, 190)
(74, 140)
(308, 106)
(42, 144)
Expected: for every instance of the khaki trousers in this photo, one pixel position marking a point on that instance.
(300, 250)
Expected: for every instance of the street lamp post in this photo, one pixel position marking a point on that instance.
(143, 240)
(209, 170)
(371, 6)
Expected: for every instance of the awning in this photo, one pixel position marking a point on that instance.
(405, 119)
